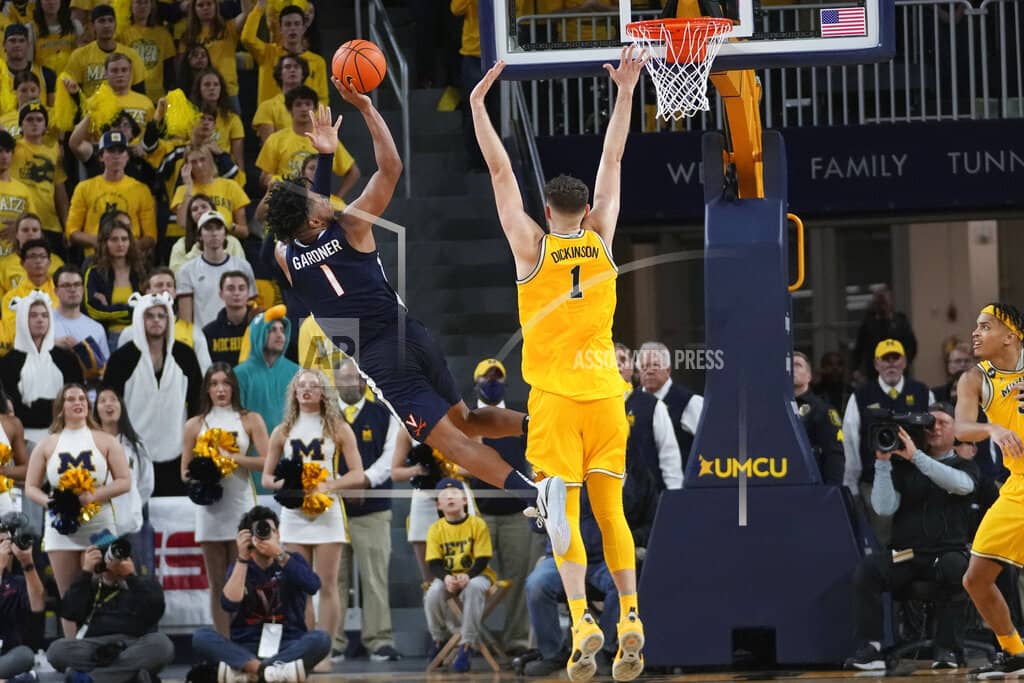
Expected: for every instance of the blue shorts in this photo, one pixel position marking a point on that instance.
(412, 377)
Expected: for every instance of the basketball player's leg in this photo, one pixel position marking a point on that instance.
(488, 421)
(605, 433)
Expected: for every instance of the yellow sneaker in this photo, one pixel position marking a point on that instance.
(587, 640)
(629, 662)
(450, 99)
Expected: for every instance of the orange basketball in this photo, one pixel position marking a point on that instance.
(360, 63)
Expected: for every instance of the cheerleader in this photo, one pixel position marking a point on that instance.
(75, 442)
(217, 522)
(313, 431)
(13, 458)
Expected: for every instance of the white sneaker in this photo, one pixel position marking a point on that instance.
(225, 674)
(43, 664)
(551, 511)
(281, 672)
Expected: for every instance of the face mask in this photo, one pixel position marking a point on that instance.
(350, 395)
(491, 391)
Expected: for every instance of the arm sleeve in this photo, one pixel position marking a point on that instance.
(669, 457)
(68, 365)
(299, 573)
(190, 366)
(437, 569)
(149, 598)
(851, 445)
(147, 213)
(324, 174)
(380, 471)
(885, 499)
(120, 367)
(479, 565)
(833, 456)
(250, 38)
(105, 314)
(691, 415)
(950, 479)
(76, 212)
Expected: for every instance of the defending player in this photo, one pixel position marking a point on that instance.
(578, 428)
(332, 263)
(995, 383)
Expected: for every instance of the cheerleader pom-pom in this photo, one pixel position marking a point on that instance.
(182, 116)
(65, 503)
(62, 117)
(204, 493)
(291, 498)
(65, 526)
(203, 470)
(289, 470)
(103, 108)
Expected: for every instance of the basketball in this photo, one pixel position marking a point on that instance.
(360, 63)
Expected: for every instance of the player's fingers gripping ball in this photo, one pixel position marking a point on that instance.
(359, 63)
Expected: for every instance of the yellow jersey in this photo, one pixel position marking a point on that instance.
(458, 545)
(227, 129)
(54, 49)
(266, 55)
(222, 53)
(95, 195)
(285, 151)
(272, 111)
(566, 308)
(227, 198)
(15, 199)
(154, 46)
(999, 401)
(39, 168)
(87, 66)
(12, 273)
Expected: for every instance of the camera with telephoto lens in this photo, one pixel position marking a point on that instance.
(118, 550)
(884, 434)
(16, 524)
(262, 529)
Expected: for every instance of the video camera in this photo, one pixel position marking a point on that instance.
(262, 529)
(885, 429)
(16, 524)
(117, 550)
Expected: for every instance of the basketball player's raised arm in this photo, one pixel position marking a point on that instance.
(522, 232)
(607, 187)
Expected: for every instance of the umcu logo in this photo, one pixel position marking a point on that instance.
(730, 468)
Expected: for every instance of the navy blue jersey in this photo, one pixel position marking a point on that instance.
(334, 280)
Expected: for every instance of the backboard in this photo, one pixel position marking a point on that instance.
(548, 38)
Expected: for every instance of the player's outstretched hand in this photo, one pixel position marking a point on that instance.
(484, 86)
(351, 95)
(1009, 443)
(325, 134)
(631, 63)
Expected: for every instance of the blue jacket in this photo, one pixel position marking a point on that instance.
(263, 387)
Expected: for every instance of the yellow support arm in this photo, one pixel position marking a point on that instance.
(741, 94)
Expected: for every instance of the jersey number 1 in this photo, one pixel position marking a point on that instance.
(575, 292)
(332, 280)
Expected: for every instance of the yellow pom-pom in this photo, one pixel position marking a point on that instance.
(6, 484)
(62, 117)
(78, 480)
(316, 503)
(8, 100)
(210, 443)
(88, 512)
(122, 12)
(182, 116)
(5, 454)
(103, 107)
(313, 474)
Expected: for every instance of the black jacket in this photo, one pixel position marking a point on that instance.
(824, 431)
(133, 609)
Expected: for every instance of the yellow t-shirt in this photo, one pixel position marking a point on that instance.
(22, 18)
(39, 168)
(86, 5)
(228, 128)
(222, 54)
(53, 50)
(94, 196)
(15, 199)
(138, 105)
(266, 56)
(272, 111)
(285, 151)
(12, 97)
(87, 66)
(458, 545)
(467, 9)
(566, 308)
(11, 272)
(23, 288)
(154, 46)
(227, 197)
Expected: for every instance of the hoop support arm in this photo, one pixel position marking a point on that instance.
(741, 95)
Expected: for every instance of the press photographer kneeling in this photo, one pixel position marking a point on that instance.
(265, 594)
(19, 594)
(928, 493)
(116, 612)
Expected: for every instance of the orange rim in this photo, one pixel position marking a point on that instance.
(687, 37)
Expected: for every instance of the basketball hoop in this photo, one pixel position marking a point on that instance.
(680, 70)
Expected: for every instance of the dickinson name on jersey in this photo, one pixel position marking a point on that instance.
(316, 255)
(575, 252)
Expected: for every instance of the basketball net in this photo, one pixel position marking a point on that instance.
(681, 53)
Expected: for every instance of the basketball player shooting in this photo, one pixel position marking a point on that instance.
(995, 384)
(332, 263)
(578, 428)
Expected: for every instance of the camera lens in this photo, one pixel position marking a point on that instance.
(120, 549)
(887, 439)
(23, 540)
(262, 529)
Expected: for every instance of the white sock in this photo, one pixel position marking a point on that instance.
(875, 644)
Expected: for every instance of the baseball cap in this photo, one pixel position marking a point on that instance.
(15, 30)
(30, 108)
(102, 11)
(887, 346)
(943, 407)
(449, 483)
(113, 138)
(210, 216)
(483, 366)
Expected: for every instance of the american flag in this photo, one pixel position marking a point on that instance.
(844, 21)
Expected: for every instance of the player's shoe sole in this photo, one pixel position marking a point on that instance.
(629, 662)
(587, 640)
(551, 511)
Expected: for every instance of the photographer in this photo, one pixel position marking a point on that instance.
(19, 595)
(116, 612)
(929, 497)
(266, 595)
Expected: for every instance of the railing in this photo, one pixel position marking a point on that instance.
(953, 61)
(383, 34)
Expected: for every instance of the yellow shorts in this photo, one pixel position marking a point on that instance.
(571, 439)
(1000, 535)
